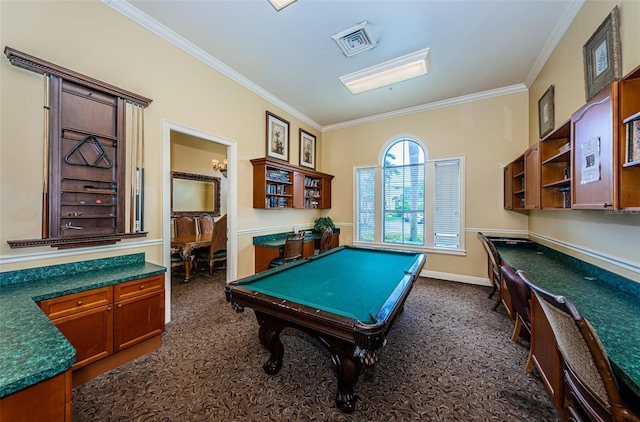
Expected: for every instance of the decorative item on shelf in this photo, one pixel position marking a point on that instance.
(545, 112)
(566, 196)
(322, 223)
(633, 141)
(566, 172)
(277, 137)
(564, 148)
(307, 149)
(222, 168)
(602, 59)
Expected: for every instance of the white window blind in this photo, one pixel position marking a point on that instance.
(365, 204)
(403, 194)
(447, 204)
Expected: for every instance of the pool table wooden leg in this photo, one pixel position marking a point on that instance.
(269, 335)
(347, 371)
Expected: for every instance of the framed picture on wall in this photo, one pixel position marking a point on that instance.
(307, 149)
(545, 113)
(277, 137)
(602, 61)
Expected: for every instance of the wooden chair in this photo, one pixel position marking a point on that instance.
(325, 241)
(291, 251)
(205, 224)
(592, 393)
(185, 226)
(520, 294)
(176, 259)
(217, 251)
(494, 271)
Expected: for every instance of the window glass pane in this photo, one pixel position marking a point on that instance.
(403, 196)
(365, 204)
(403, 153)
(447, 204)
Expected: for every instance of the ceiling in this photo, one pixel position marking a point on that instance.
(477, 48)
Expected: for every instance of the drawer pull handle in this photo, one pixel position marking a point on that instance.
(80, 303)
(141, 286)
(119, 305)
(108, 308)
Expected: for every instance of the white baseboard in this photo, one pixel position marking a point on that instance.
(461, 278)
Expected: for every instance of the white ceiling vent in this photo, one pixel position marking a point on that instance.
(355, 40)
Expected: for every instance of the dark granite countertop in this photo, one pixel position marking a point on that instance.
(31, 347)
(276, 240)
(610, 302)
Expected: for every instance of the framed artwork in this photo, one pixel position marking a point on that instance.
(602, 61)
(307, 149)
(277, 137)
(545, 113)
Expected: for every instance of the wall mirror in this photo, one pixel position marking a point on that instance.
(194, 195)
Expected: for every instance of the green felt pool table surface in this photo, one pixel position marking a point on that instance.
(348, 281)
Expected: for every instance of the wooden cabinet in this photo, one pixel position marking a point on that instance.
(532, 178)
(87, 150)
(48, 400)
(593, 151)
(278, 185)
(555, 168)
(101, 323)
(139, 311)
(629, 142)
(514, 184)
(85, 319)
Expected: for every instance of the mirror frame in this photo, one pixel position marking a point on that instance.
(215, 212)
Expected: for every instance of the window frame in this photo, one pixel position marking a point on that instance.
(429, 211)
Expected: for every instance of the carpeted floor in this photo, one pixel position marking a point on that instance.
(448, 358)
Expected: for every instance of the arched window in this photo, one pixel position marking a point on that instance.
(409, 199)
(403, 173)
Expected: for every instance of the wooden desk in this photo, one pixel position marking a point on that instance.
(269, 247)
(185, 245)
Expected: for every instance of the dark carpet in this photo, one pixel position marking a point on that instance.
(448, 358)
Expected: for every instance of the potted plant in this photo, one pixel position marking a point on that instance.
(322, 223)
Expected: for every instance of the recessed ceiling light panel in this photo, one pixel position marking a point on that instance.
(355, 40)
(389, 72)
(280, 4)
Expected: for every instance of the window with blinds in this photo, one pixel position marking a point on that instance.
(446, 204)
(408, 200)
(365, 200)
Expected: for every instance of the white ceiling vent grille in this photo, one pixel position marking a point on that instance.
(355, 40)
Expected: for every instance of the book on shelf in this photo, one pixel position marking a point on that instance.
(633, 141)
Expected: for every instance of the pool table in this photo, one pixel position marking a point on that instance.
(348, 298)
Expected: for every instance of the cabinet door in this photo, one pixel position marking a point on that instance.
(90, 333)
(532, 178)
(508, 187)
(593, 151)
(48, 400)
(138, 319)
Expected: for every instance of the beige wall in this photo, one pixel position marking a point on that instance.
(489, 133)
(585, 233)
(91, 38)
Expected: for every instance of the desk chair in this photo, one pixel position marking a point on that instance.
(291, 251)
(217, 250)
(494, 272)
(592, 393)
(325, 241)
(176, 259)
(520, 293)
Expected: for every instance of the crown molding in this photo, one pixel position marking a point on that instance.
(431, 106)
(554, 38)
(126, 9)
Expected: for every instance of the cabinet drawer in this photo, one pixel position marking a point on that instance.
(138, 287)
(77, 302)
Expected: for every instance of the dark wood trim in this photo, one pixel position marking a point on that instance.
(34, 64)
(74, 242)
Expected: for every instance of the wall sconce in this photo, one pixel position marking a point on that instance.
(222, 168)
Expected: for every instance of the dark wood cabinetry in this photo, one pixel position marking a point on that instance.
(279, 185)
(555, 168)
(628, 143)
